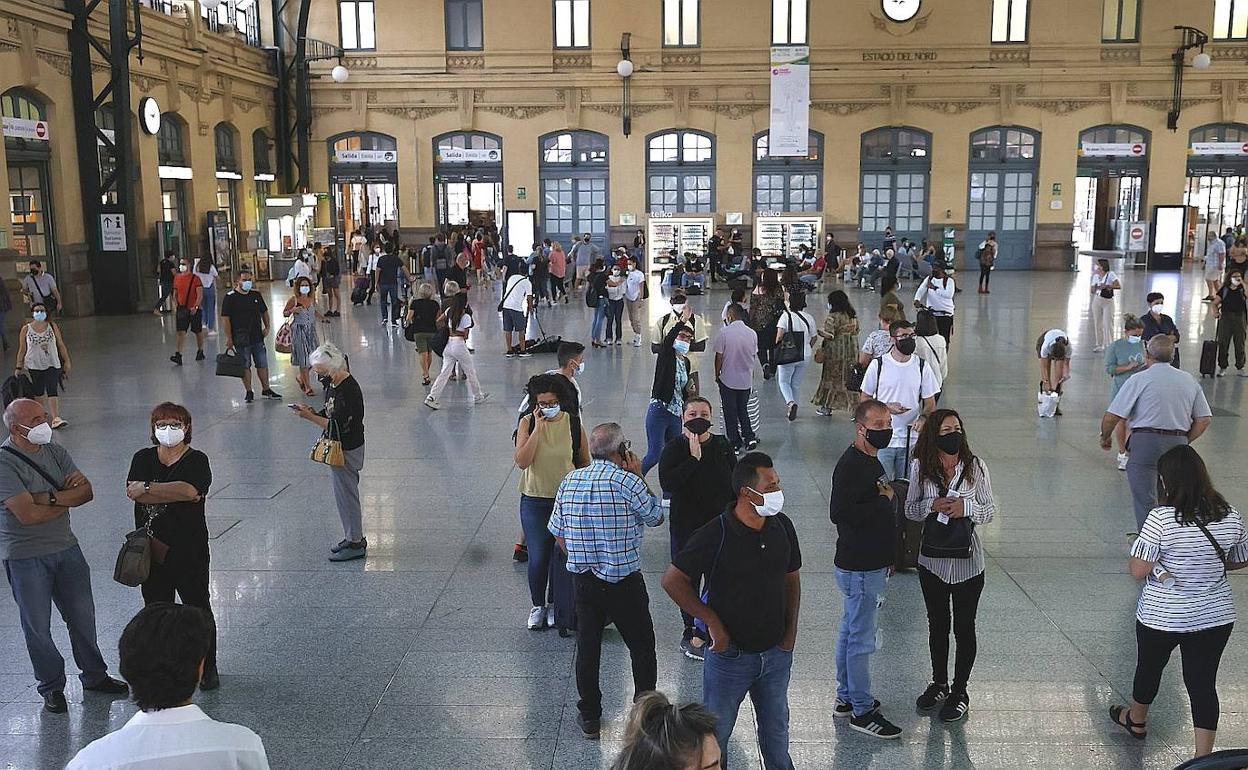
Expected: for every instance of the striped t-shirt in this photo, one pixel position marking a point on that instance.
(1201, 595)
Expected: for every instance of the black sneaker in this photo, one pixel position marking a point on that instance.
(270, 393)
(109, 686)
(55, 703)
(590, 728)
(199, 355)
(874, 724)
(956, 707)
(751, 445)
(844, 708)
(933, 696)
(249, 397)
(692, 651)
(176, 358)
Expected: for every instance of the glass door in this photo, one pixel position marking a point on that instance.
(28, 213)
(1219, 202)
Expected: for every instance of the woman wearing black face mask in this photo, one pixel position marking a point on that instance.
(695, 469)
(949, 487)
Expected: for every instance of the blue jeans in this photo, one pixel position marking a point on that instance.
(698, 278)
(661, 426)
(210, 307)
(789, 377)
(388, 296)
(534, 515)
(600, 319)
(856, 641)
(728, 676)
(62, 577)
(895, 460)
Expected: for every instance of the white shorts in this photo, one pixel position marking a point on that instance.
(1213, 275)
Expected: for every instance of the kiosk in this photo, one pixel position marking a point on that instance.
(783, 235)
(683, 233)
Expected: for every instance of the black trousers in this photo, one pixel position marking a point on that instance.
(944, 325)
(628, 605)
(1201, 651)
(716, 265)
(557, 287)
(985, 272)
(185, 574)
(372, 288)
(964, 598)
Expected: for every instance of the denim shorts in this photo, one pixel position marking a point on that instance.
(255, 355)
(514, 320)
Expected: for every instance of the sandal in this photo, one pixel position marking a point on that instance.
(425, 382)
(1122, 717)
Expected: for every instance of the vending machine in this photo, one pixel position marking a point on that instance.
(683, 233)
(783, 235)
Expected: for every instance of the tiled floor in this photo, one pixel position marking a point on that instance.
(418, 656)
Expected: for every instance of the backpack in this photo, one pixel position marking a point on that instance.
(574, 425)
(441, 256)
(15, 387)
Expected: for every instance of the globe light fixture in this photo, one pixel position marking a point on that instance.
(625, 68)
(1201, 61)
(339, 73)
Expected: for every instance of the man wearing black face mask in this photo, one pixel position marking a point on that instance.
(862, 510)
(695, 469)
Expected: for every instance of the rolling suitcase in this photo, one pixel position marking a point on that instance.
(1208, 358)
(908, 533)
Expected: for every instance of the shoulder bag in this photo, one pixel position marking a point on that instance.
(1212, 541)
(328, 448)
(283, 342)
(508, 294)
(47, 300)
(951, 540)
(792, 346)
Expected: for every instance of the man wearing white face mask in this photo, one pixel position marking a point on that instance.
(39, 484)
(752, 560)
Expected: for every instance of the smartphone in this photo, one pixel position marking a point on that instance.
(295, 407)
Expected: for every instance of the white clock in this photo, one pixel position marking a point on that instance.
(900, 10)
(149, 115)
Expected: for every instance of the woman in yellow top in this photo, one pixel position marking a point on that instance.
(550, 442)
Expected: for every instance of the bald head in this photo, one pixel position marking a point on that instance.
(22, 411)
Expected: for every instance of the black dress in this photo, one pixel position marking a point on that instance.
(183, 528)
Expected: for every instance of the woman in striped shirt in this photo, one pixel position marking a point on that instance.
(1183, 552)
(948, 482)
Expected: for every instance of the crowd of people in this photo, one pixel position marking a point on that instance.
(908, 493)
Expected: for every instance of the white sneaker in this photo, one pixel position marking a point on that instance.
(1242, 373)
(636, 340)
(480, 398)
(550, 615)
(537, 618)
(1122, 460)
(1222, 372)
(432, 403)
(1098, 349)
(211, 332)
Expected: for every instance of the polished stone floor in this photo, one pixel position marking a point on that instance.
(418, 657)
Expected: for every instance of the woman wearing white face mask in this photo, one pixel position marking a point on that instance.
(1123, 358)
(42, 355)
(169, 483)
(1157, 322)
(550, 442)
(301, 309)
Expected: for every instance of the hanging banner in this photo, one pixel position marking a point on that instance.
(789, 134)
(457, 155)
(366, 156)
(1219, 148)
(20, 128)
(1113, 149)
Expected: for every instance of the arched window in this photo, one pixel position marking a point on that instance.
(1003, 144)
(468, 185)
(1113, 135)
(171, 141)
(680, 172)
(1217, 177)
(792, 184)
(23, 105)
(469, 141)
(1222, 132)
(896, 166)
(1001, 193)
(1111, 181)
(572, 167)
(262, 156)
(224, 136)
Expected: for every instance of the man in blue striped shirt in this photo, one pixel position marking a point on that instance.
(598, 518)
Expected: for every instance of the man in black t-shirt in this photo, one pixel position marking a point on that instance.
(751, 560)
(245, 322)
(390, 269)
(862, 510)
(165, 269)
(715, 248)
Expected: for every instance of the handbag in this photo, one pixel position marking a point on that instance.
(792, 346)
(819, 354)
(328, 448)
(283, 342)
(951, 540)
(231, 364)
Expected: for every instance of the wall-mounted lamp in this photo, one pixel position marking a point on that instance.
(1192, 38)
(625, 70)
(339, 73)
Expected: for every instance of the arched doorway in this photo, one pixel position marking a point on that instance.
(223, 222)
(573, 171)
(895, 174)
(1110, 183)
(27, 146)
(364, 177)
(174, 170)
(1217, 178)
(1001, 194)
(468, 179)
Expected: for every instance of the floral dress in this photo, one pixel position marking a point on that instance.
(839, 338)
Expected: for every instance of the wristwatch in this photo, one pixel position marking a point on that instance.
(147, 487)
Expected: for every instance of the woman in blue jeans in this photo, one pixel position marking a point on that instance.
(550, 442)
(667, 394)
(596, 291)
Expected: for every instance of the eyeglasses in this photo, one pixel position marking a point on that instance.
(904, 337)
(168, 424)
(547, 404)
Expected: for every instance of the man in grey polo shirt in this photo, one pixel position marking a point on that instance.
(1164, 407)
(736, 350)
(584, 252)
(41, 555)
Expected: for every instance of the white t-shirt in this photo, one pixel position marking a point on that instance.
(465, 323)
(935, 351)
(301, 269)
(901, 383)
(937, 295)
(372, 262)
(358, 242)
(1104, 281)
(808, 329)
(616, 292)
(516, 295)
(1201, 595)
(1051, 336)
(183, 737)
(208, 279)
(632, 284)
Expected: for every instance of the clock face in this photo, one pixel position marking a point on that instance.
(900, 10)
(149, 114)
